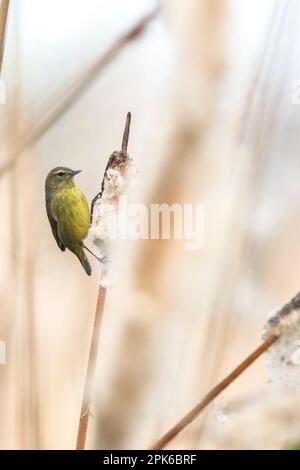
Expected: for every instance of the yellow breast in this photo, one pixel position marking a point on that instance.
(70, 209)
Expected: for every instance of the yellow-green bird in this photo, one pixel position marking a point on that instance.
(68, 213)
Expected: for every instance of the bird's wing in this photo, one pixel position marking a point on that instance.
(53, 224)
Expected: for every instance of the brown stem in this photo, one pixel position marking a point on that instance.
(90, 373)
(70, 94)
(212, 394)
(4, 6)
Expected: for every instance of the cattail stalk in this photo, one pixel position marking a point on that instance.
(212, 394)
(283, 322)
(117, 161)
(87, 394)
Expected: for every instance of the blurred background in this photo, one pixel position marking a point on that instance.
(209, 84)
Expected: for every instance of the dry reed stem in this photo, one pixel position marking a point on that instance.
(70, 94)
(126, 134)
(124, 147)
(212, 394)
(4, 6)
(87, 393)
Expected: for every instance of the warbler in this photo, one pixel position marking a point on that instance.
(68, 213)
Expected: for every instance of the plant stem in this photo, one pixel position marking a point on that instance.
(87, 393)
(212, 394)
(126, 133)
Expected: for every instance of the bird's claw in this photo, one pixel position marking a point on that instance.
(104, 259)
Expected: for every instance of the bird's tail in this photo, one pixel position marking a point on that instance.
(85, 264)
(79, 252)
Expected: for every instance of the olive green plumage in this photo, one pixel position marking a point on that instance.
(68, 213)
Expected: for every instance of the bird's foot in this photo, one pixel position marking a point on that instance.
(104, 259)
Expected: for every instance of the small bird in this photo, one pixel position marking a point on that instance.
(68, 213)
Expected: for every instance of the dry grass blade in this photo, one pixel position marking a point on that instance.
(212, 394)
(69, 95)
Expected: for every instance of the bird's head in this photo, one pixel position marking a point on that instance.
(60, 177)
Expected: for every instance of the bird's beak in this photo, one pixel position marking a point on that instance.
(74, 172)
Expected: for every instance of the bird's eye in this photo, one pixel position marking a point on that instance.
(60, 173)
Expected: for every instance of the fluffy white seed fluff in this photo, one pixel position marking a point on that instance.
(119, 181)
(283, 357)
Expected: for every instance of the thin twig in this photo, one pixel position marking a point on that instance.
(212, 394)
(70, 94)
(4, 6)
(87, 393)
